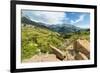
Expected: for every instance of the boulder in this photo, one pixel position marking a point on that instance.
(81, 56)
(59, 54)
(82, 46)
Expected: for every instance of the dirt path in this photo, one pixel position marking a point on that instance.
(42, 58)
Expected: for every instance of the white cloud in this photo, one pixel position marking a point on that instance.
(72, 22)
(81, 17)
(48, 17)
(83, 26)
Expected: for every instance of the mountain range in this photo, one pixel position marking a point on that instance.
(60, 28)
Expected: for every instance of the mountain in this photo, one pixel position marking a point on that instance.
(64, 28)
(28, 21)
(60, 28)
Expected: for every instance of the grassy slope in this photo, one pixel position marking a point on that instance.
(36, 40)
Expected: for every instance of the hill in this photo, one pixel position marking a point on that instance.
(36, 37)
(60, 28)
(36, 40)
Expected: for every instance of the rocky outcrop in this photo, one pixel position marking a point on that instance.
(57, 52)
(80, 56)
(82, 46)
(78, 50)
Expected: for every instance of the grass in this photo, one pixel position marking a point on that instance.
(36, 40)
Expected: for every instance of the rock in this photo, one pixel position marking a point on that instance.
(69, 56)
(57, 52)
(82, 46)
(80, 56)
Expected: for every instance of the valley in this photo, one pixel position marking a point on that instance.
(37, 38)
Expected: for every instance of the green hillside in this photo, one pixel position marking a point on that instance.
(36, 40)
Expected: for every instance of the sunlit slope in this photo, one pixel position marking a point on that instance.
(36, 40)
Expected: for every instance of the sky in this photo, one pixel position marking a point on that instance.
(79, 19)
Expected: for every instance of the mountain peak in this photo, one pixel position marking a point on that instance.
(60, 28)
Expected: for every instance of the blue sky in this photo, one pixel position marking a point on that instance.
(79, 19)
